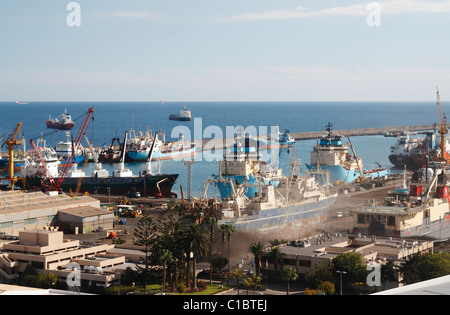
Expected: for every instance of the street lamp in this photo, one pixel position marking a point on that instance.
(341, 272)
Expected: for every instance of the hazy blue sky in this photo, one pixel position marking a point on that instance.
(211, 50)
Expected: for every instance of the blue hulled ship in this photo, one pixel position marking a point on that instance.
(331, 155)
(243, 163)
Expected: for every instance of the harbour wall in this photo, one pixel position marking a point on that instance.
(298, 136)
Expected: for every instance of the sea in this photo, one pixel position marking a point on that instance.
(112, 119)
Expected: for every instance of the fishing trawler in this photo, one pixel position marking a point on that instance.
(66, 122)
(422, 213)
(401, 152)
(297, 206)
(138, 148)
(331, 155)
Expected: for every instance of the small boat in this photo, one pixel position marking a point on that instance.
(66, 122)
(183, 115)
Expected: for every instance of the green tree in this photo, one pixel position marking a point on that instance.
(257, 249)
(165, 256)
(170, 226)
(227, 230)
(318, 274)
(290, 274)
(422, 267)
(388, 272)
(144, 235)
(238, 275)
(46, 280)
(353, 265)
(327, 287)
(212, 222)
(274, 256)
(198, 243)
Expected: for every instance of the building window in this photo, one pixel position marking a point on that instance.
(29, 221)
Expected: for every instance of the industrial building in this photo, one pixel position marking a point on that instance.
(20, 211)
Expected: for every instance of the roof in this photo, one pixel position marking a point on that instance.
(438, 286)
(17, 201)
(86, 212)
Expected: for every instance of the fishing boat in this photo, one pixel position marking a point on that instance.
(182, 115)
(111, 154)
(138, 148)
(298, 206)
(333, 156)
(401, 152)
(422, 213)
(64, 123)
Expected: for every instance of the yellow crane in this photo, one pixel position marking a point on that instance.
(11, 142)
(361, 174)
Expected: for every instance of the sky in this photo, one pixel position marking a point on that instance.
(211, 50)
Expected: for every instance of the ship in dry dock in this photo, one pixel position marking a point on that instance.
(298, 206)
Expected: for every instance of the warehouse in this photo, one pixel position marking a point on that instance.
(20, 211)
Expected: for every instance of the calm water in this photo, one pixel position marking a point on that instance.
(113, 119)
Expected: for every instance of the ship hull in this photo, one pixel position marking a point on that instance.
(142, 156)
(295, 221)
(51, 125)
(147, 186)
(177, 118)
(337, 173)
(402, 160)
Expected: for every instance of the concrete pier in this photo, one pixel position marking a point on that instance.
(221, 143)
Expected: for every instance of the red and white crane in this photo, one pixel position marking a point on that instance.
(52, 184)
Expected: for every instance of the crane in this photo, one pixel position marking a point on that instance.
(55, 185)
(361, 175)
(443, 130)
(11, 142)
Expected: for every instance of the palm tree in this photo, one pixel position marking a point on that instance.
(257, 249)
(255, 280)
(227, 229)
(212, 221)
(238, 275)
(165, 257)
(198, 243)
(275, 256)
(290, 274)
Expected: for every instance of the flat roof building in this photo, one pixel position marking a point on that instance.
(21, 211)
(303, 255)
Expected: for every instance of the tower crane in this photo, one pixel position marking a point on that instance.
(55, 185)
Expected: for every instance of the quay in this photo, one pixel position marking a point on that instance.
(214, 143)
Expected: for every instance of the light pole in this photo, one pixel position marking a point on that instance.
(341, 272)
